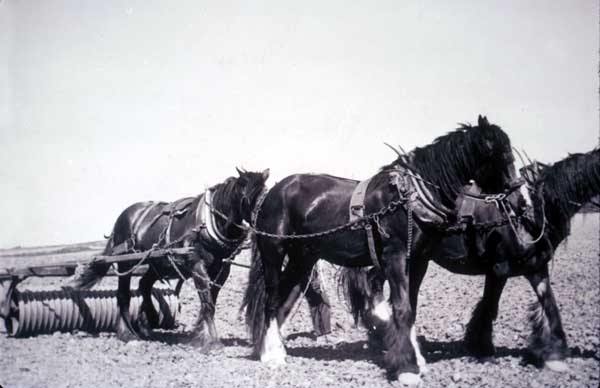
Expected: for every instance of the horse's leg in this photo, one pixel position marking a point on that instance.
(478, 335)
(400, 358)
(318, 302)
(271, 346)
(316, 298)
(297, 277)
(377, 309)
(548, 343)
(148, 316)
(220, 278)
(417, 269)
(125, 330)
(205, 332)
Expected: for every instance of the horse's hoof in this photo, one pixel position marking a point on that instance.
(144, 332)
(274, 363)
(274, 358)
(409, 379)
(557, 366)
(127, 336)
(198, 342)
(486, 360)
(421, 363)
(212, 346)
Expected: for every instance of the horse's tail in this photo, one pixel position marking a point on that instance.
(353, 287)
(255, 299)
(88, 274)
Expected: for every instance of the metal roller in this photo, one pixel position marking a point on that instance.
(44, 312)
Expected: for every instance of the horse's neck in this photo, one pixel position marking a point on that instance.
(232, 211)
(559, 221)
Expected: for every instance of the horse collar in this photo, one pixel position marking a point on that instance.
(208, 217)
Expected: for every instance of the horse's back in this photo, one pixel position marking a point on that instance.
(301, 199)
(132, 219)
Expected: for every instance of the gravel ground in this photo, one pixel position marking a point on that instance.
(341, 359)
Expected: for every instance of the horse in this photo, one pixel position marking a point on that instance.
(305, 217)
(208, 223)
(564, 187)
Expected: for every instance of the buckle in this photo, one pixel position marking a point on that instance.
(357, 209)
(494, 198)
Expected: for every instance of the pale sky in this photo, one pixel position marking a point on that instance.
(106, 103)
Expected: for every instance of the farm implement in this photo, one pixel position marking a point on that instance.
(26, 313)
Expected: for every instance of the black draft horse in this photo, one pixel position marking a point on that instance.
(187, 222)
(303, 204)
(565, 187)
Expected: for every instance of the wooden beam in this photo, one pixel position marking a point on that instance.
(67, 268)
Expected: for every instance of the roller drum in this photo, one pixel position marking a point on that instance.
(44, 312)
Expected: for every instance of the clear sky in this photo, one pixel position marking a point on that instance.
(105, 103)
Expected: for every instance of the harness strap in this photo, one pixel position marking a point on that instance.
(371, 244)
(135, 230)
(357, 201)
(412, 187)
(357, 212)
(466, 208)
(427, 200)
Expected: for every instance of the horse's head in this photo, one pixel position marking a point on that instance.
(249, 186)
(482, 153)
(495, 169)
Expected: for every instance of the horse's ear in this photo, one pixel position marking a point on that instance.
(265, 174)
(239, 171)
(482, 121)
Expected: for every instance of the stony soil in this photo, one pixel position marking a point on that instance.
(341, 359)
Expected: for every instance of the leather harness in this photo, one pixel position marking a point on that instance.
(357, 212)
(419, 200)
(204, 221)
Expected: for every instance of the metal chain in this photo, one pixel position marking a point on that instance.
(409, 238)
(136, 266)
(390, 208)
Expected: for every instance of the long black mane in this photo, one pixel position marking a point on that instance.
(469, 152)
(225, 194)
(567, 185)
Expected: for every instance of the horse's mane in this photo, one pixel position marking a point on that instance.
(453, 159)
(223, 193)
(567, 183)
(228, 194)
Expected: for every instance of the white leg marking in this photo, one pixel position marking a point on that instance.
(541, 289)
(421, 363)
(273, 351)
(409, 379)
(557, 366)
(282, 330)
(383, 310)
